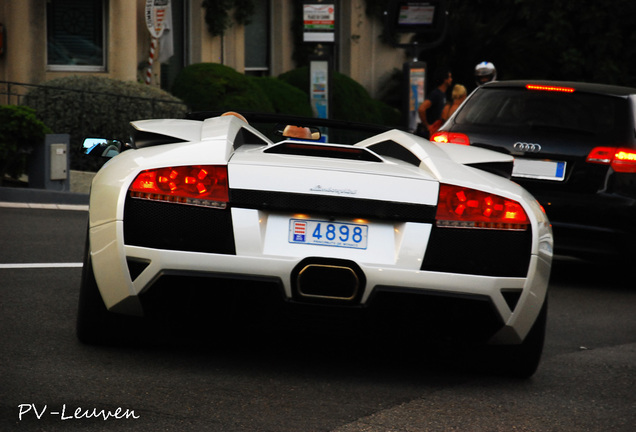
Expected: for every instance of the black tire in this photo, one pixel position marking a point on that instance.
(520, 361)
(95, 324)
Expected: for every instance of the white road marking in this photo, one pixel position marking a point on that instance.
(40, 265)
(76, 207)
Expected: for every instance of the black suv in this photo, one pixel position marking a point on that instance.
(575, 151)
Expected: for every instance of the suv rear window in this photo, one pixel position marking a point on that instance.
(583, 113)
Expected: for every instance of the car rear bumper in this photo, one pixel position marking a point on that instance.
(129, 277)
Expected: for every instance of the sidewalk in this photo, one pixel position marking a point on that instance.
(22, 196)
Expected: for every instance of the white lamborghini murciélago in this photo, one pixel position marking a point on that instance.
(210, 217)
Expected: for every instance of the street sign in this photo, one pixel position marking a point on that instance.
(156, 11)
(319, 22)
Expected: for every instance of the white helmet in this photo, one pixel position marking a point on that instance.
(485, 72)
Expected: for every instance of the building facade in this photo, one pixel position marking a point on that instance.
(46, 39)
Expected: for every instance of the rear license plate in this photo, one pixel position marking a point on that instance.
(539, 169)
(327, 233)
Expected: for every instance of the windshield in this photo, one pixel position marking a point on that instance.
(582, 113)
(331, 134)
(331, 131)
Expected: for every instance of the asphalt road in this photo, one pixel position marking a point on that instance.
(51, 382)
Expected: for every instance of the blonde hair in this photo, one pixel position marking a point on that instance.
(458, 91)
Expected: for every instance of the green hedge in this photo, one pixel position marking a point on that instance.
(85, 106)
(215, 87)
(212, 86)
(284, 97)
(20, 132)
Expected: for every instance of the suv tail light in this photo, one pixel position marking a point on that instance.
(450, 137)
(460, 207)
(621, 159)
(200, 185)
(552, 88)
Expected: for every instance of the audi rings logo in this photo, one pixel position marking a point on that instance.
(527, 147)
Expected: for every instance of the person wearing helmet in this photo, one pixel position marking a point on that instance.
(485, 72)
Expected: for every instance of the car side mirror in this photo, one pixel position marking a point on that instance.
(102, 147)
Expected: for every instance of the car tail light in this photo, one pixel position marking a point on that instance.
(460, 207)
(450, 137)
(620, 159)
(550, 88)
(201, 185)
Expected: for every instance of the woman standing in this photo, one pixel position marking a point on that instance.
(458, 96)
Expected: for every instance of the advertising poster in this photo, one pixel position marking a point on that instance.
(416, 81)
(319, 87)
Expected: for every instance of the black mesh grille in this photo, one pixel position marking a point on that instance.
(172, 226)
(480, 252)
(213, 298)
(437, 316)
(216, 301)
(331, 205)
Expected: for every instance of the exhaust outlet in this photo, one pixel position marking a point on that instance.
(328, 280)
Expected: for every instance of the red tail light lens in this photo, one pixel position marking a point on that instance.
(621, 159)
(202, 185)
(450, 137)
(460, 207)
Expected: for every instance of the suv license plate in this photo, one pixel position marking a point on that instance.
(539, 169)
(327, 233)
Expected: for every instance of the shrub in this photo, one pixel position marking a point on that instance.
(350, 101)
(212, 86)
(284, 97)
(20, 131)
(390, 115)
(215, 87)
(85, 106)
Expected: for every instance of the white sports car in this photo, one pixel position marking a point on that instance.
(203, 216)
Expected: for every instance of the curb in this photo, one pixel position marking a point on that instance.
(18, 194)
(41, 196)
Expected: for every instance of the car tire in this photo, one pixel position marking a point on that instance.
(520, 361)
(95, 324)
